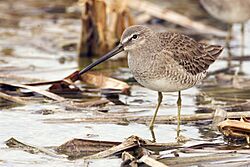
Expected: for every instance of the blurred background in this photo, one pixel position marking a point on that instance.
(48, 40)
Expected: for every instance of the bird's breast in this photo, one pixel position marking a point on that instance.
(140, 65)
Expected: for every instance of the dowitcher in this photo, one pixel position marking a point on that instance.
(230, 11)
(163, 61)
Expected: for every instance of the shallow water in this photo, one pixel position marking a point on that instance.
(38, 58)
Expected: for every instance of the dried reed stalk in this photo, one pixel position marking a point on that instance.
(102, 25)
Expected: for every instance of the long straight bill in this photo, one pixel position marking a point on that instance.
(110, 54)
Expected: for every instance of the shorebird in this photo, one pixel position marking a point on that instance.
(163, 61)
(230, 11)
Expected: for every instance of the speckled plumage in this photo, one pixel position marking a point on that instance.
(167, 61)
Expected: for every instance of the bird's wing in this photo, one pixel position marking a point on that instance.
(193, 56)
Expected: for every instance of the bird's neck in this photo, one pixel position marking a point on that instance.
(140, 60)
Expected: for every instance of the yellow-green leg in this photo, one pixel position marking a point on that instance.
(153, 135)
(228, 39)
(151, 126)
(242, 45)
(179, 115)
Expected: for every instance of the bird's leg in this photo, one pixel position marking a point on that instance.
(228, 39)
(242, 44)
(153, 135)
(179, 114)
(151, 126)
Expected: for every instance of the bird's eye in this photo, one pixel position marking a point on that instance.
(134, 36)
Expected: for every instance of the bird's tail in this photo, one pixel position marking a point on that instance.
(213, 50)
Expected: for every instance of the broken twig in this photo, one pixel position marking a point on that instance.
(17, 100)
(163, 119)
(151, 162)
(13, 143)
(37, 90)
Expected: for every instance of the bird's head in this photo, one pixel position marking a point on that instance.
(135, 36)
(132, 38)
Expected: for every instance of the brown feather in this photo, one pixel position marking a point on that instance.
(193, 56)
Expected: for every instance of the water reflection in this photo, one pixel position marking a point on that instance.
(106, 67)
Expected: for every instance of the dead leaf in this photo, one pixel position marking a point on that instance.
(78, 148)
(235, 129)
(104, 82)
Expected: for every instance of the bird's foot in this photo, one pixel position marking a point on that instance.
(151, 128)
(182, 139)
